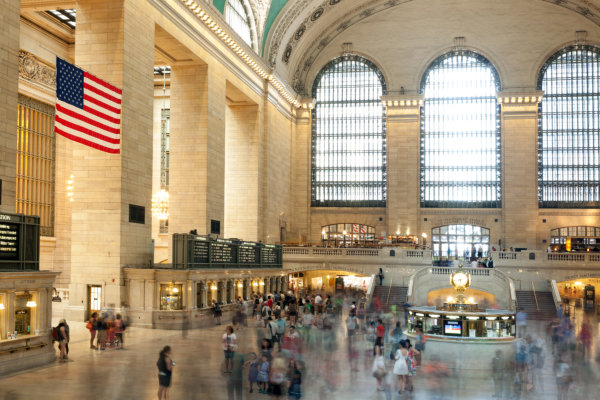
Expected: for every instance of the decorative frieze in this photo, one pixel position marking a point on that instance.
(32, 69)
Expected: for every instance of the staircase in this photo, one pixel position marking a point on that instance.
(545, 310)
(397, 296)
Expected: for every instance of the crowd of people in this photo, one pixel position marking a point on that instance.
(321, 338)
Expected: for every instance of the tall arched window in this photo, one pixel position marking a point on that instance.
(237, 17)
(348, 135)
(569, 129)
(460, 133)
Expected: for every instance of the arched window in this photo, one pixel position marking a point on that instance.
(460, 133)
(237, 17)
(348, 135)
(569, 129)
(462, 241)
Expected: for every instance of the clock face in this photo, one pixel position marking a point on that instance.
(460, 279)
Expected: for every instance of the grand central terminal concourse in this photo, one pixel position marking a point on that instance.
(299, 199)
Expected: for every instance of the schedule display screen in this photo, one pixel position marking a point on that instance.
(453, 328)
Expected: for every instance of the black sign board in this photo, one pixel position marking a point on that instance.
(200, 251)
(19, 242)
(270, 255)
(194, 251)
(249, 253)
(223, 252)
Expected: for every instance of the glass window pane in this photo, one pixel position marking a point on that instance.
(237, 17)
(460, 133)
(569, 132)
(348, 135)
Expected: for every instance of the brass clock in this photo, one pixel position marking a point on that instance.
(460, 279)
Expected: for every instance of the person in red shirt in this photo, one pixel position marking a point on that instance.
(270, 302)
(380, 334)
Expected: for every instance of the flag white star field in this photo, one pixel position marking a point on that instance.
(88, 110)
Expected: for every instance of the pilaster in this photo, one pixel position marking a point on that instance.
(9, 76)
(301, 172)
(403, 131)
(519, 167)
(114, 40)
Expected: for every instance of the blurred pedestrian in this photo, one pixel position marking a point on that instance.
(91, 326)
(165, 370)
(379, 371)
(217, 312)
(401, 368)
(229, 346)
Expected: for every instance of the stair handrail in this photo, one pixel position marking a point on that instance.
(555, 294)
(537, 306)
(512, 293)
(387, 300)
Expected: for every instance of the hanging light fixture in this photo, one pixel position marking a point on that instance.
(1, 306)
(160, 205)
(31, 304)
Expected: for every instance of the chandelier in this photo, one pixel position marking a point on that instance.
(160, 205)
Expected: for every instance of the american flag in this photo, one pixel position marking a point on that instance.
(88, 110)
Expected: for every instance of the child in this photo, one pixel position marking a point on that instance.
(253, 371)
(263, 375)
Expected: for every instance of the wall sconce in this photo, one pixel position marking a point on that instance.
(255, 284)
(240, 285)
(70, 188)
(213, 287)
(1, 306)
(175, 290)
(262, 283)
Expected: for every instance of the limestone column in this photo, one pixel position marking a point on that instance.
(9, 78)
(301, 174)
(403, 149)
(197, 169)
(114, 40)
(519, 168)
(190, 300)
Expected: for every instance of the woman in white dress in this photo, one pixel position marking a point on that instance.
(379, 371)
(401, 367)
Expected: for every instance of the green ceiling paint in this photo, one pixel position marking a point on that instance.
(276, 7)
(220, 5)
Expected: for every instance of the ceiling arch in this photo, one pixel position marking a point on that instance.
(295, 33)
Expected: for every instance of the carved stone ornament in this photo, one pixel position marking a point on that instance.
(33, 69)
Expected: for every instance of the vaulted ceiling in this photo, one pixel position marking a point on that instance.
(294, 33)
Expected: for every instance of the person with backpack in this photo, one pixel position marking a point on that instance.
(63, 339)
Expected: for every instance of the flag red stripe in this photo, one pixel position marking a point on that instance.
(101, 82)
(90, 121)
(87, 86)
(101, 104)
(87, 142)
(86, 131)
(101, 115)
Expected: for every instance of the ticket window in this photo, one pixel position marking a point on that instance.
(26, 305)
(171, 297)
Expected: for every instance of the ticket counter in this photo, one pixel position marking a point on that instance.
(462, 324)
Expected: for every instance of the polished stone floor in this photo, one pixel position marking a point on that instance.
(132, 373)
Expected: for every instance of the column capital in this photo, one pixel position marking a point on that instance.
(402, 101)
(529, 97)
(520, 104)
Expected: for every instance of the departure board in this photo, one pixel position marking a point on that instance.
(249, 253)
(223, 252)
(200, 251)
(9, 241)
(270, 255)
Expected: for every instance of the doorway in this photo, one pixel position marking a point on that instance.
(94, 299)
